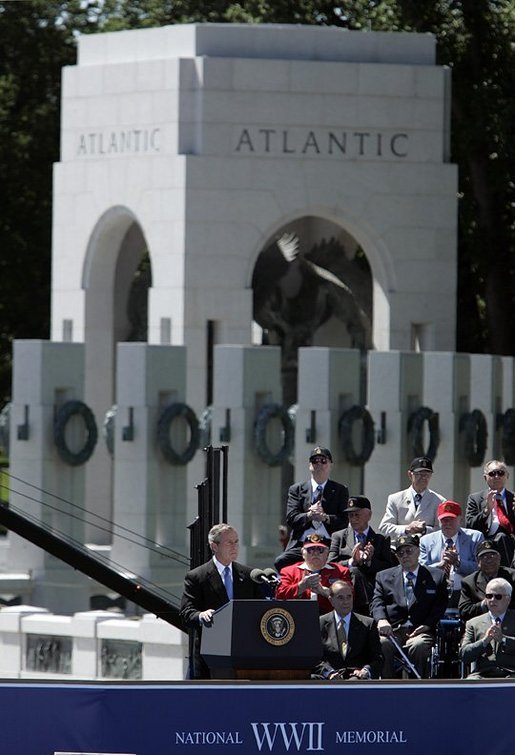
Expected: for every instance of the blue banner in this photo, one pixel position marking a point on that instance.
(153, 719)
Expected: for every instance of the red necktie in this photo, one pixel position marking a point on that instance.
(503, 519)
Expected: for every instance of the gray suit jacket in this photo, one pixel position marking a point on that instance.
(400, 511)
(496, 658)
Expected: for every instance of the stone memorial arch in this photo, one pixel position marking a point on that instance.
(201, 149)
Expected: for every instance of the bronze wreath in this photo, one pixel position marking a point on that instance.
(345, 427)
(266, 413)
(167, 416)
(473, 425)
(416, 432)
(64, 414)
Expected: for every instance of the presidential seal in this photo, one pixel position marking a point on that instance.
(277, 626)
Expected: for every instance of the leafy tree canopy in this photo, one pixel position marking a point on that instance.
(474, 37)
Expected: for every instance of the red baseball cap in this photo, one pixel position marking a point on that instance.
(449, 508)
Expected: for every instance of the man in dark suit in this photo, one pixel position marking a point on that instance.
(358, 546)
(350, 642)
(492, 512)
(489, 640)
(212, 585)
(409, 601)
(316, 506)
(473, 588)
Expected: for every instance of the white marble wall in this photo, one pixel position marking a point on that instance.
(163, 648)
(208, 139)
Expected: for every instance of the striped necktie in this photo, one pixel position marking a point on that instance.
(410, 587)
(342, 638)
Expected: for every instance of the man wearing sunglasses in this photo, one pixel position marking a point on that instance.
(489, 640)
(316, 506)
(491, 511)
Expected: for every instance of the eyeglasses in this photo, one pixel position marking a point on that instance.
(494, 595)
(489, 554)
(316, 549)
(496, 473)
(321, 460)
(407, 550)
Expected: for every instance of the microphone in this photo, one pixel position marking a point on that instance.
(258, 575)
(272, 576)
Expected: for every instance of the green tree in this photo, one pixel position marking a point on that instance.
(474, 37)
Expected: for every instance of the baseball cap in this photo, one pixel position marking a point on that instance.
(421, 464)
(316, 539)
(405, 540)
(448, 508)
(358, 502)
(318, 451)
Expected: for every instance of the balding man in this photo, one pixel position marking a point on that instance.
(350, 642)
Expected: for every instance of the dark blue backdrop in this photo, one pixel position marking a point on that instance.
(154, 719)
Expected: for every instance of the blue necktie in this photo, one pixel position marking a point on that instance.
(228, 582)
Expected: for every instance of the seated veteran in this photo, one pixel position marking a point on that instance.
(488, 644)
(311, 578)
(409, 601)
(472, 600)
(451, 548)
(358, 546)
(350, 642)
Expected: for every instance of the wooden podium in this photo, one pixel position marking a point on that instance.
(263, 639)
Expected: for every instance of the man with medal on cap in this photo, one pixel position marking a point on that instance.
(358, 546)
(473, 600)
(311, 578)
(316, 506)
(413, 511)
(409, 601)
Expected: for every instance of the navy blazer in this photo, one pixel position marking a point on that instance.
(342, 545)
(203, 589)
(334, 502)
(477, 515)
(389, 601)
(363, 646)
